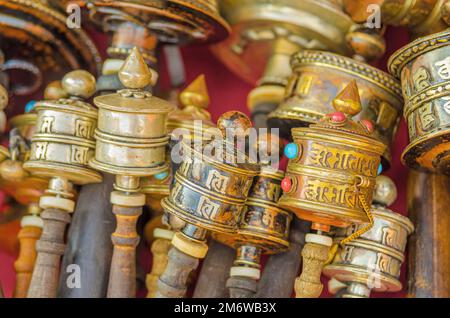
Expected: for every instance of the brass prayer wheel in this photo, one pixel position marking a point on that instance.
(209, 193)
(60, 150)
(373, 261)
(35, 39)
(317, 78)
(424, 69)
(330, 179)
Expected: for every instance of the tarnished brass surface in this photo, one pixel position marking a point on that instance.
(209, 192)
(317, 78)
(35, 38)
(422, 17)
(424, 69)
(172, 21)
(336, 160)
(373, 261)
(259, 25)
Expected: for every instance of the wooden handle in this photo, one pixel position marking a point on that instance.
(24, 264)
(173, 282)
(122, 276)
(308, 284)
(242, 287)
(160, 250)
(428, 252)
(50, 248)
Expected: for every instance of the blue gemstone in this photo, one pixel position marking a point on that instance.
(380, 169)
(161, 175)
(30, 106)
(291, 150)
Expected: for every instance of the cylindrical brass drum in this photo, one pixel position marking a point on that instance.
(319, 76)
(64, 146)
(424, 69)
(209, 193)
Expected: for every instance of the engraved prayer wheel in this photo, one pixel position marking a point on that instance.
(424, 69)
(209, 194)
(131, 143)
(35, 39)
(60, 150)
(263, 228)
(317, 78)
(330, 180)
(373, 261)
(422, 17)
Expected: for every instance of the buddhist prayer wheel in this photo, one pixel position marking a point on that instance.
(330, 179)
(319, 76)
(60, 150)
(424, 69)
(373, 261)
(209, 194)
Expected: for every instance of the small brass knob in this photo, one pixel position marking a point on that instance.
(233, 120)
(55, 91)
(134, 72)
(385, 192)
(348, 100)
(79, 83)
(196, 94)
(12, 170)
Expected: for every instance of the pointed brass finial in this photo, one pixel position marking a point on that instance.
(134, 72)
(196, 94)
(348, 100)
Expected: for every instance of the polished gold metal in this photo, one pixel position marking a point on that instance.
(131, 143)
(318, 76)
(35, 38)
(422, 17)
(373, 261)
(424, 69)
(330, 181)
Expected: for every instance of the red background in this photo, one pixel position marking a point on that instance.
(229, 92)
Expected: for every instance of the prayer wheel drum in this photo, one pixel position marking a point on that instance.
(319, 76)
(424, 69)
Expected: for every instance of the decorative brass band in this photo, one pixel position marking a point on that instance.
(374, 259)
(424, 67)
(318, 76)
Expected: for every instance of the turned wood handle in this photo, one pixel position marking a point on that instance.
(160, 249)
(122, 276)
(50, 248)
(308, 284)
(242, 287)
(24, 264)
(173, 282)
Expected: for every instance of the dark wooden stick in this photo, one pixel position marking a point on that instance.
(172, 283)
(28, 235)
(50, 248)
(122, 276)
(215, 272)
(242, 287)
(277, 279)
(428, 248)
(89, 242)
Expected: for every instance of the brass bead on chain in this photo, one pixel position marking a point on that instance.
(60, 150)
(131, 143)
